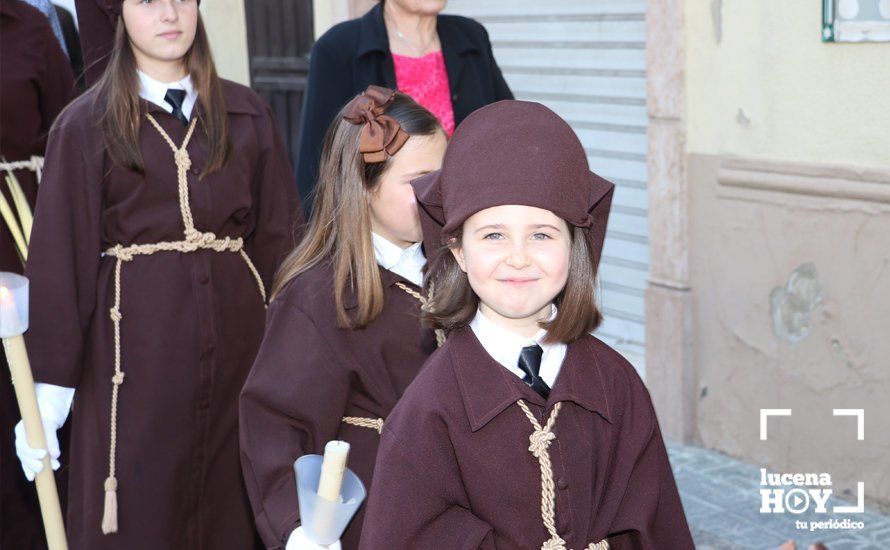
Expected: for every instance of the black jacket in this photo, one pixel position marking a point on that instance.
(354, 54)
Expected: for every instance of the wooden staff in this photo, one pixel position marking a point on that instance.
(12, 326)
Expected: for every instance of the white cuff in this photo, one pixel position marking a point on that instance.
(54, 402)
(299, 541)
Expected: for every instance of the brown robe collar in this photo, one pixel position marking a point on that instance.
(387, 277)
(487, 388)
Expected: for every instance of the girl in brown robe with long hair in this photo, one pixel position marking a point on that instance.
(166, 205)
(343, 334)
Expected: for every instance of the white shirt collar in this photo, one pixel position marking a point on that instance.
(407, 262)
(154, 91)
(504, 346)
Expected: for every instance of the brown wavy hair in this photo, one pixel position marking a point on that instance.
(118, 91)
(339, 228)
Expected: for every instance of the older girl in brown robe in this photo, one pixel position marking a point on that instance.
(343, 335)
(480, 452)
(163, 213)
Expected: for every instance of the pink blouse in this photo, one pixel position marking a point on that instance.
(426, 81)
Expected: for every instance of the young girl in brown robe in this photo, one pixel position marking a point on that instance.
(163, 213)
(343, 333)
(523, 430)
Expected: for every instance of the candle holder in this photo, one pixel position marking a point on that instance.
(13, 305)
(323, 520)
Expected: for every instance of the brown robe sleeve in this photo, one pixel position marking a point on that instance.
(63, 262)
(278, 212)
(294, 396)
(418, 499)
(649, 510)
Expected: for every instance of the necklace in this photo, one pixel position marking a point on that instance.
(419, 49)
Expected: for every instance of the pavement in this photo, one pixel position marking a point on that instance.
(721, 497)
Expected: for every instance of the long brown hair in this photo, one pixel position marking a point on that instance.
(118, 90)
(339, 228)
(453, 304)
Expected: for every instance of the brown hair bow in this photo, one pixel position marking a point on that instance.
(382, 134)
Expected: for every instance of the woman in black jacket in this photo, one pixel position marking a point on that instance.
(357, 53)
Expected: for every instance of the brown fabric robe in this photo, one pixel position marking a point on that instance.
(96, 37)
(307, 376)
(36, 82)
(454, 470)
(35, 85)
(191, 322)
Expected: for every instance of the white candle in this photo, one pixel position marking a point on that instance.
(10, 322)
(332, 470)
(13, 323)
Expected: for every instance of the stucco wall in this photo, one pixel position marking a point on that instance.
(789, 217)
(227, 29)
(770, 88)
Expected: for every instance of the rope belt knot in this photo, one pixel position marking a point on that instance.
(539, 445)
(539, 442)
(181, 156)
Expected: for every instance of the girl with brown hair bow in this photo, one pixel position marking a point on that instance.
(343, 334)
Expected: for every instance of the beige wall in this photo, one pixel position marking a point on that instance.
(327, 13)
(788, 175)
(799, 98)
(227, 29)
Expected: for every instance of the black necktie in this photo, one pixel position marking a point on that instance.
(530, 363)
(175, 98)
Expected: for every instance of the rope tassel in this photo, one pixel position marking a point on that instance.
(109, 515)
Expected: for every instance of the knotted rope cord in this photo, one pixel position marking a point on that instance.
(377, 423)
(539, 443)
(194, 240)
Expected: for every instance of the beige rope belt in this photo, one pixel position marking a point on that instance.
(194, 240)
(34, 164)
(372, 423)
(377, 423)
(540, 441)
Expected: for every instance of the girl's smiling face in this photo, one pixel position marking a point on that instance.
(517, 261)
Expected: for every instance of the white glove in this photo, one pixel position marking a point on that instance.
(299, 541)
(54, 403)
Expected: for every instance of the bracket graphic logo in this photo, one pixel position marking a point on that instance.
(797, 493)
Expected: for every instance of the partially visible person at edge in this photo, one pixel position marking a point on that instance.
(444, 62)
(35, 84)
(343, 334)
(167, 203)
